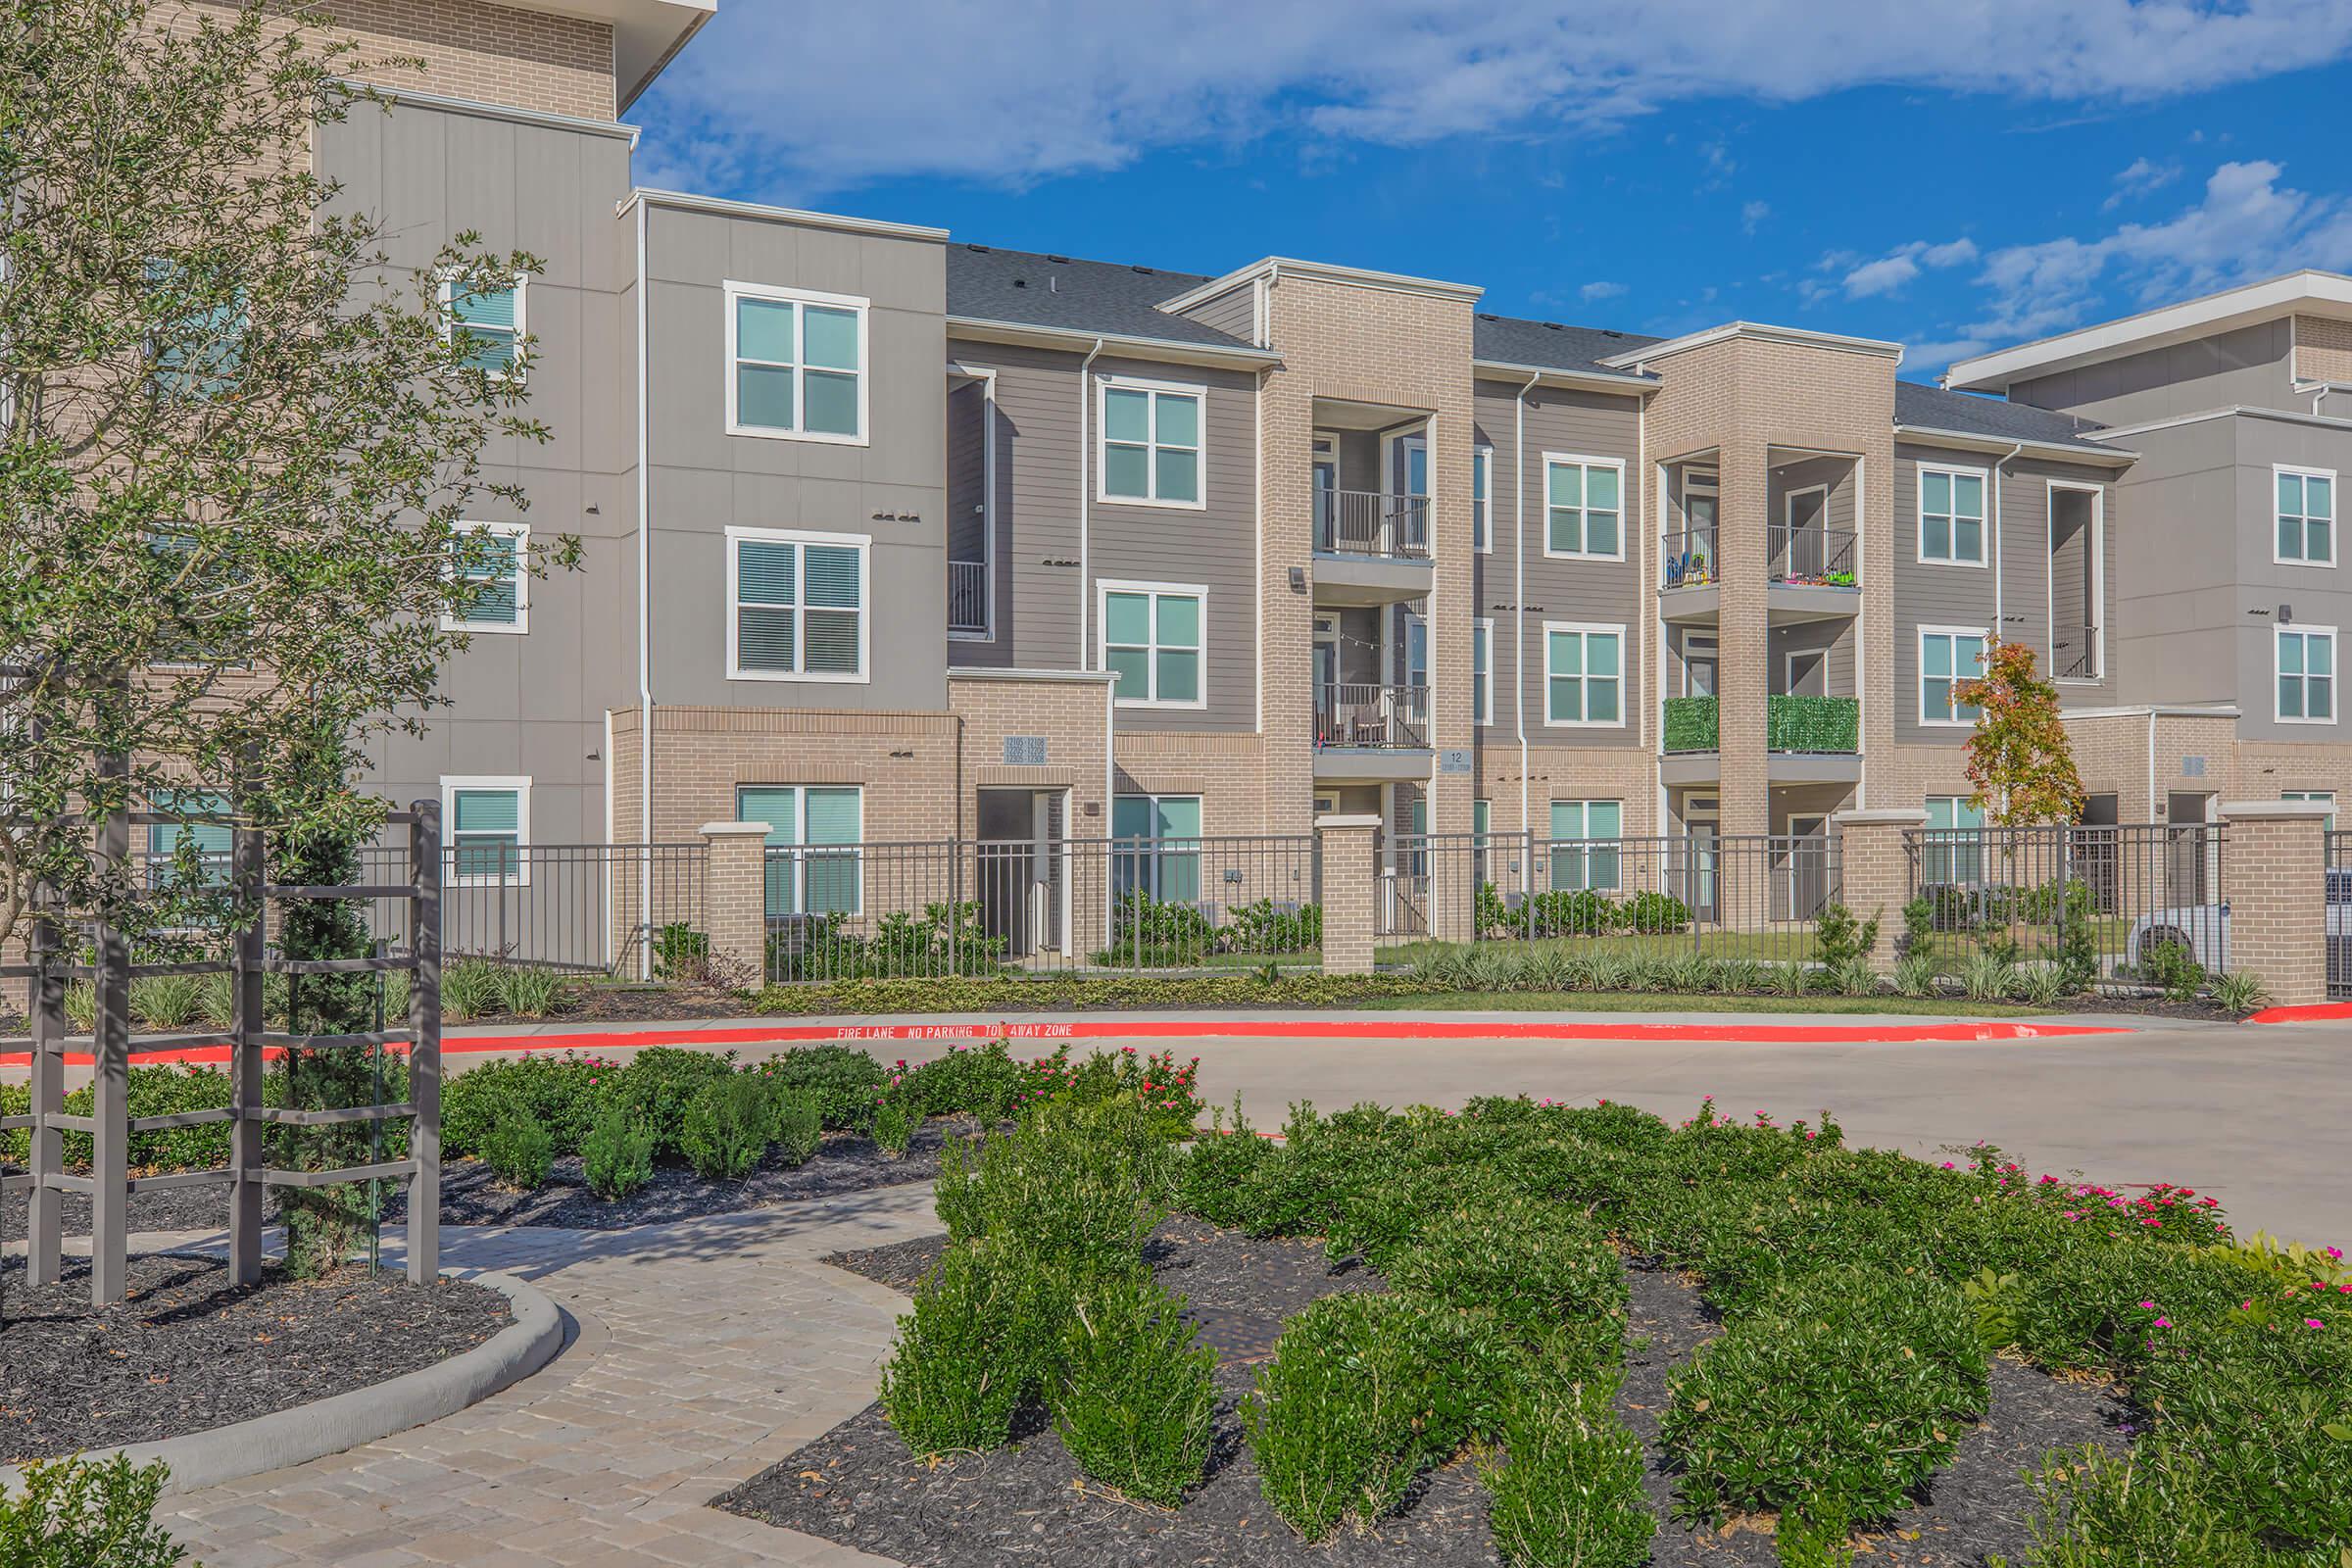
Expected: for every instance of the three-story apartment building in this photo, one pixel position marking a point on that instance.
(891, 535)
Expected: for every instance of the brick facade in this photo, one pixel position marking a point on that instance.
(1350, 855)
(2274, 879)
(2323, 349)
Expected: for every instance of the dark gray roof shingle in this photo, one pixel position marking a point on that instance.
(1549, 346)
(1031, 289)
(1933, 408)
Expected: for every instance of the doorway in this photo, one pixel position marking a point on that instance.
(1806, 858)
(1326, 448)
(1806, 672)
(1022, 870)
(1702, 817)
(1804, 555)
(2187, 848)
(1699, 655)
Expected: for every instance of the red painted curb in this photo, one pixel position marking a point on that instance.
(1220, 1029)
(2309, 1012)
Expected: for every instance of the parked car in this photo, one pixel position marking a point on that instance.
(2204, 930)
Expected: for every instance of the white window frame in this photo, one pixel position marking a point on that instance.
(2279, 471)
(1624, 676)
(1482, 512)
(1625, 510)
(1954, 855)
(1104, 385)
(864, 546)
(1153, 862)
(450, 325)
(1918, 515)
(1104, 587)
(2334, 676)
(2098, 573)
(521, 534)
(2315, 797)
(520, 784)
(1481, 637)
(1919, 672)
(800, 850)
(1583, 881)
(734, 291)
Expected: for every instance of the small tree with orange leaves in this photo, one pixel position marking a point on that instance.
(2019, 759)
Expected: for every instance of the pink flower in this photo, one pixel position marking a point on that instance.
(2164, 1323)
(2147, 1306)
(2313, 1323)
(2335, 1255)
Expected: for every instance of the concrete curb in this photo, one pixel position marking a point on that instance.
(307, 1432)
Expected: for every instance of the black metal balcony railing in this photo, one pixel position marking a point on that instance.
(1388, 717)
(2074, 652)
(1370, 522)
(1688, 556)
(1811, 556)
(967, 595)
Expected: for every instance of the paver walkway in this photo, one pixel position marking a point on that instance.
(707, 1352)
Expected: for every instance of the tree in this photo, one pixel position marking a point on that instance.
(2020, 760)
(237, 444)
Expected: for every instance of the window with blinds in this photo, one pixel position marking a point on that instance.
(814, 865)
(488, 557)
(487, 823)
(206, 843)
(487, 319)
(799, 606)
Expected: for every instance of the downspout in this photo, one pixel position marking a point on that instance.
(2151, 762)
(1086, 491)
(1519, 605)
(644, 603)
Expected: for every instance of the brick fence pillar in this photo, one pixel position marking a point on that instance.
(1351, 891)
(1873, 871)
(2275, 888)
(735, 896)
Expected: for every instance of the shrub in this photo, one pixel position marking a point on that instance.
(2083, 1311)
(470, 988)
(2167, 965)
(1850, 1385)
(71, 1514)
(1134, 1401)
(1363, 1392)
(985, 1081)
(1915, 974)
(796, 1126)
(1653, 913)
(167, 1001)
(979, 1342)
(529, 993)
(561, 1093)
(1989, 975)
(1537, 1267)
(2149, 1508)
(841, 1081)
(727, 1127)
(1215, 1179)
(661, 1082)
(618, 1153)
(681, 952)
(2262, 1403)
(1840, 939)
(895, 1122)
(1582, 912)
(1269, 927)
(2240, 992)
(519, 1151)
(1083, 1185)
(1571, 1494)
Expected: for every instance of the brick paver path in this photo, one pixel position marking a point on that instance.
(708, 1351)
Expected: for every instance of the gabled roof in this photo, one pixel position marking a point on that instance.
(1551, 346)
(1929, 411)
(1027, 288)
(2304, 293)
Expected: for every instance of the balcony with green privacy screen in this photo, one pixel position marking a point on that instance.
(1692, 723)
(1827, 724)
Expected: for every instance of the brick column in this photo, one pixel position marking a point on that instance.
(2274, 881)
(735, 895)
(1351, 891)
(1874, 870)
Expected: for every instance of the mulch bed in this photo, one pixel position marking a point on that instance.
(186, 1350)
(860, 1485)
(846, 1162)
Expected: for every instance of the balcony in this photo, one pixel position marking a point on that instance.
(1808, 740)
(1809, 574)
(1366, 733)
(1371, 547)
(967, 597)
(2075, 654)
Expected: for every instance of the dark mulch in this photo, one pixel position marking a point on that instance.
(846, 1162)
(187, 1350)
(857, 1485)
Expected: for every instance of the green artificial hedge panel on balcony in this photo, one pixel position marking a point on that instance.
(1691, 724)
(1806, 725)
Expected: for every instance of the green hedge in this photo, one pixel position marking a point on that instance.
(1692, 724)
(1812, 724)
(1076, 994)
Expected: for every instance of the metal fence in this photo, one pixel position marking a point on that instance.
(1753, 896)
(585, 908)
(902, 910)
(1371, 522)
(1810, 555)
(2119, 906)
(1384, 718)
(2338, 914)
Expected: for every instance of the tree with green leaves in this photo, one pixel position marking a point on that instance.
(2021, 761)
(235, 445)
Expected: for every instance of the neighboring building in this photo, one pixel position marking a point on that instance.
(892, 537)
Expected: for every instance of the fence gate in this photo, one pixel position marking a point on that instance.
(2337, 912)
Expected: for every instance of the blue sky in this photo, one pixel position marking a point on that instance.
(1954, 176)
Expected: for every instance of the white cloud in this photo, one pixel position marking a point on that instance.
(1753, 214)
(2140, 179)
(1601, 291)
(1896, 267)
(1015, 94)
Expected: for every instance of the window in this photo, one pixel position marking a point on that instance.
(1415, 638)
(1584, 675)
(1482, 671)
(796, 365)
(1152, 640)
(2306, 674)
(488, 822)
(1482, 499)
(1948, 656)
(1582, 505)
(491, 555)
(210, 841)
(197, 354)
(488, 318)
(1955, 847)
(2306, 516)
(799, 605)
(814, 865)
(2325, 798)
(1166, 867)
(201, 600)
(1951, 515)
(1150, 443)
(1584, 852)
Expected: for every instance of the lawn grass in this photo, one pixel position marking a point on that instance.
(1658, 1002)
